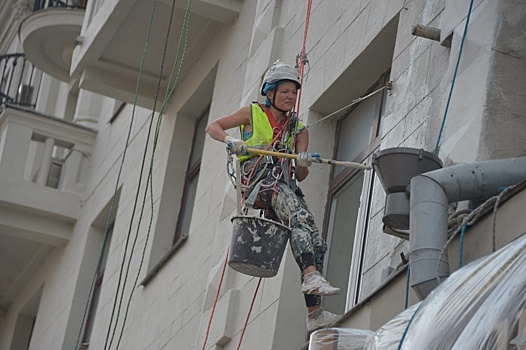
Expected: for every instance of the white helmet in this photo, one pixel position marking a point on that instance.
(280, 71)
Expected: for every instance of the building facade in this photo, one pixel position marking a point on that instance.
(115, 208)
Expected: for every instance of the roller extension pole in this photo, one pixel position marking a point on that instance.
(314, 158)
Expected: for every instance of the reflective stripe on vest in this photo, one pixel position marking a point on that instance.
(262, 133)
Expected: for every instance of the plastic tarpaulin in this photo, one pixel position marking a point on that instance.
(480, 306)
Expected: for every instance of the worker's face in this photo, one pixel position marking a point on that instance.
(286, 94)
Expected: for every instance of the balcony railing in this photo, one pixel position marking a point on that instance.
(19, 81)
(43, 4)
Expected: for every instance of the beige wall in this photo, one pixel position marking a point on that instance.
(172, 310)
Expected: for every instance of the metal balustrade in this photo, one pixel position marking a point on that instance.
(19, 81)
(43, 4)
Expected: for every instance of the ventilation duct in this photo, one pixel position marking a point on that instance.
(431, 193)
(395, 167)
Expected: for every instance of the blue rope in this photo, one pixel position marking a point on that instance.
(454, 77)
(461, 244)
(407, 286)
(408, 325)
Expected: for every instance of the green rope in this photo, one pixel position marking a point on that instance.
(127, 144)
(105, 238)
(168, 94)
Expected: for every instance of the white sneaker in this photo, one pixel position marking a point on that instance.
(314, 283)
(323, 319)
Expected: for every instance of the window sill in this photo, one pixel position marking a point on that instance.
(151, 274)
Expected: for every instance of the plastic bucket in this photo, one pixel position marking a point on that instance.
(257, 245)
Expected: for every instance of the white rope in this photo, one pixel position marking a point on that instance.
(360, 99)
(471, 218)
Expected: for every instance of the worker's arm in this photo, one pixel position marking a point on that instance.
(217, 128)
(302, 143)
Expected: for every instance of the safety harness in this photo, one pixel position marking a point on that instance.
(260, 175)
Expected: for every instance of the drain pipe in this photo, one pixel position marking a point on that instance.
(431, 193)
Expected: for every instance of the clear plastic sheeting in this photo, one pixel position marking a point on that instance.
(341, 339)
(389, 335)
(480, 306)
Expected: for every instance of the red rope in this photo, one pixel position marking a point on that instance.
(301, 73)
(248, 316)
(302, 54)
(225, 263)
(215, 301)
(277, 136)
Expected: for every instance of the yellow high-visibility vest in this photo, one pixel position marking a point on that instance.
(262, 133)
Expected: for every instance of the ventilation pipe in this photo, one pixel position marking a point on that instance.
(395, 167)
(430, 194)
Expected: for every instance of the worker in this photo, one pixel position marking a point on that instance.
(272, 186)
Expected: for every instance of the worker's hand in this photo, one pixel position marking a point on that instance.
(304, 159)
(236, 146)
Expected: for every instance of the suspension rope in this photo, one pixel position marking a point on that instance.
(469, 219)
(278, 134)
(108, 342)
(301, 73)
(407, 327)
(407, 278)
(112, 205)
(303, 54)
(215, 300)
(454, 78)
(168, 94)
(248, 316)
(358, 100)
(276, 137)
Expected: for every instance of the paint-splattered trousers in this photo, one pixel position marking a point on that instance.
(305, 238)
(308, 246)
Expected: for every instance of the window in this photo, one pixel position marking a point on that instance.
(181, 177)
(192, 177)
(94, 302)
(350, 190)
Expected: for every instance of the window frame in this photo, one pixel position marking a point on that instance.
(97, 288)
(337, 182)
(192, 174)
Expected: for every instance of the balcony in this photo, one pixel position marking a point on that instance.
(43, 164)
(112, 44)
(49, 35)
(19, 81)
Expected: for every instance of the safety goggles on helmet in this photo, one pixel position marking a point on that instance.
(278, 72)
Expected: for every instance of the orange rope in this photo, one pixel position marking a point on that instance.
(301, 73)
(248, 316)
(301, 69)
(225, 263)
(215, 300)
(261, 156)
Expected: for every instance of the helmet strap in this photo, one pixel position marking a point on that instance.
(273, 102)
